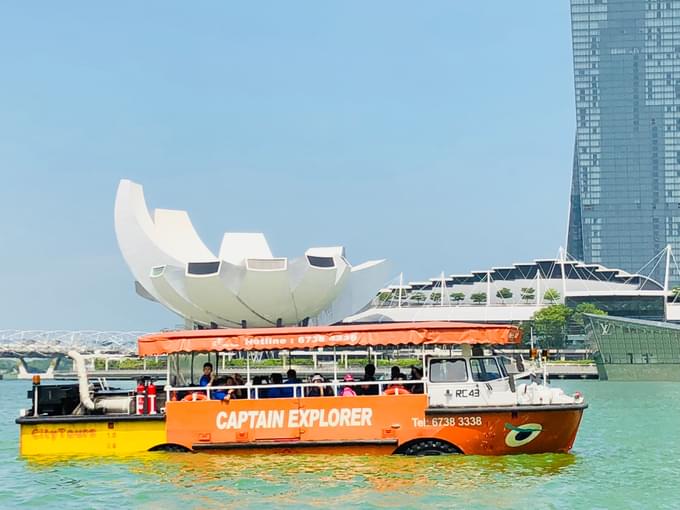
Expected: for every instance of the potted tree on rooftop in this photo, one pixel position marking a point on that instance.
(552, 296)
(457, 297)
(478, 298)
(504, 294)
(528, 294)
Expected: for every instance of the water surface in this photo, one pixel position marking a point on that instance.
(627, 455)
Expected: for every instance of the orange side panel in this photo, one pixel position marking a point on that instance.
(398, 418)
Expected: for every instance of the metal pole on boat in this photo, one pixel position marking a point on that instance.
(335, 372)
(167, 376)
(424, 378)
(247, 369)
(36, 389)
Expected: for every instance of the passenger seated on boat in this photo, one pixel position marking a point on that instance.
(221, 394)
(239, 392)
(208, 377)
(259, 380)
(277, 392)
(395, 373)
(416, 375)
(291, 379)
(397, 388)
(347, 391)
(369, 376)
(319, 389)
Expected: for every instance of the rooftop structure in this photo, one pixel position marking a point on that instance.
(516, 292)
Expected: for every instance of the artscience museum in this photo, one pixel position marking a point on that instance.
(244, 285)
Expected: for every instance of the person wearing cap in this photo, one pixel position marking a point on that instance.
(320, 389)
(347, 391)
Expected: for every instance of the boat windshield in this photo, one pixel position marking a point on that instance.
(448, 370)
(485, 369)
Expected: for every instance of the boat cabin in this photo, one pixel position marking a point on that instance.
(459, 378)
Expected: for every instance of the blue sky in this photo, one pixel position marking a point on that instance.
(438, 135)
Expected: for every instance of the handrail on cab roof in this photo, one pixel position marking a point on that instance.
(262, 339)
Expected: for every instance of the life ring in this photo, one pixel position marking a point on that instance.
(193, 397)
(397, 390)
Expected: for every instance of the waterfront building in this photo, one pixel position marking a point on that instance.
(625, 198)
(633, 349)
(638, 339)
(515, 293)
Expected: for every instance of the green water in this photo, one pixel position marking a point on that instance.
(627, 455)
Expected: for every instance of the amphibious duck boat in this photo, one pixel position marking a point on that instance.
(460, 401)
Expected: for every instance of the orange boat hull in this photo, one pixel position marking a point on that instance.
(370, 424)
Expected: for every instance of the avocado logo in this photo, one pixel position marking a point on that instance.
(524, 434)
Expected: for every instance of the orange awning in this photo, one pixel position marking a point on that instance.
(355, 335)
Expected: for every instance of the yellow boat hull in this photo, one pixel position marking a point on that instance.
(91, 437)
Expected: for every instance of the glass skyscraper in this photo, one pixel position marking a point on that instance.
(625, 198)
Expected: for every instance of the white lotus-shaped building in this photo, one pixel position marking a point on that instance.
(245, 285)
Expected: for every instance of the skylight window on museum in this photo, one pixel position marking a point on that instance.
(203, 268)
(316, 261)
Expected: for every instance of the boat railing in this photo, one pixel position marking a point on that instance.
(296, 390)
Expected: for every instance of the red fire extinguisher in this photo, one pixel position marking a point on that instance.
(151, 392)
(140, 397)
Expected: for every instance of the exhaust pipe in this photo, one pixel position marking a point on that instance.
(83, 386)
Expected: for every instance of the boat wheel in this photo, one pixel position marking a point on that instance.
(428, 447)
(170, 448)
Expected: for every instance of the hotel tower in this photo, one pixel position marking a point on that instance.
(625, 197)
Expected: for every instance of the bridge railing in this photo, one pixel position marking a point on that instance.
(54, 342)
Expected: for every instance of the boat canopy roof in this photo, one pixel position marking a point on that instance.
(261, 339)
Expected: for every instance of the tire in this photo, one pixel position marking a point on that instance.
(428, 447)
(173, 448)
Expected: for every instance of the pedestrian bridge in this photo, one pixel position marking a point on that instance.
(48, 344)
(55, 344)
